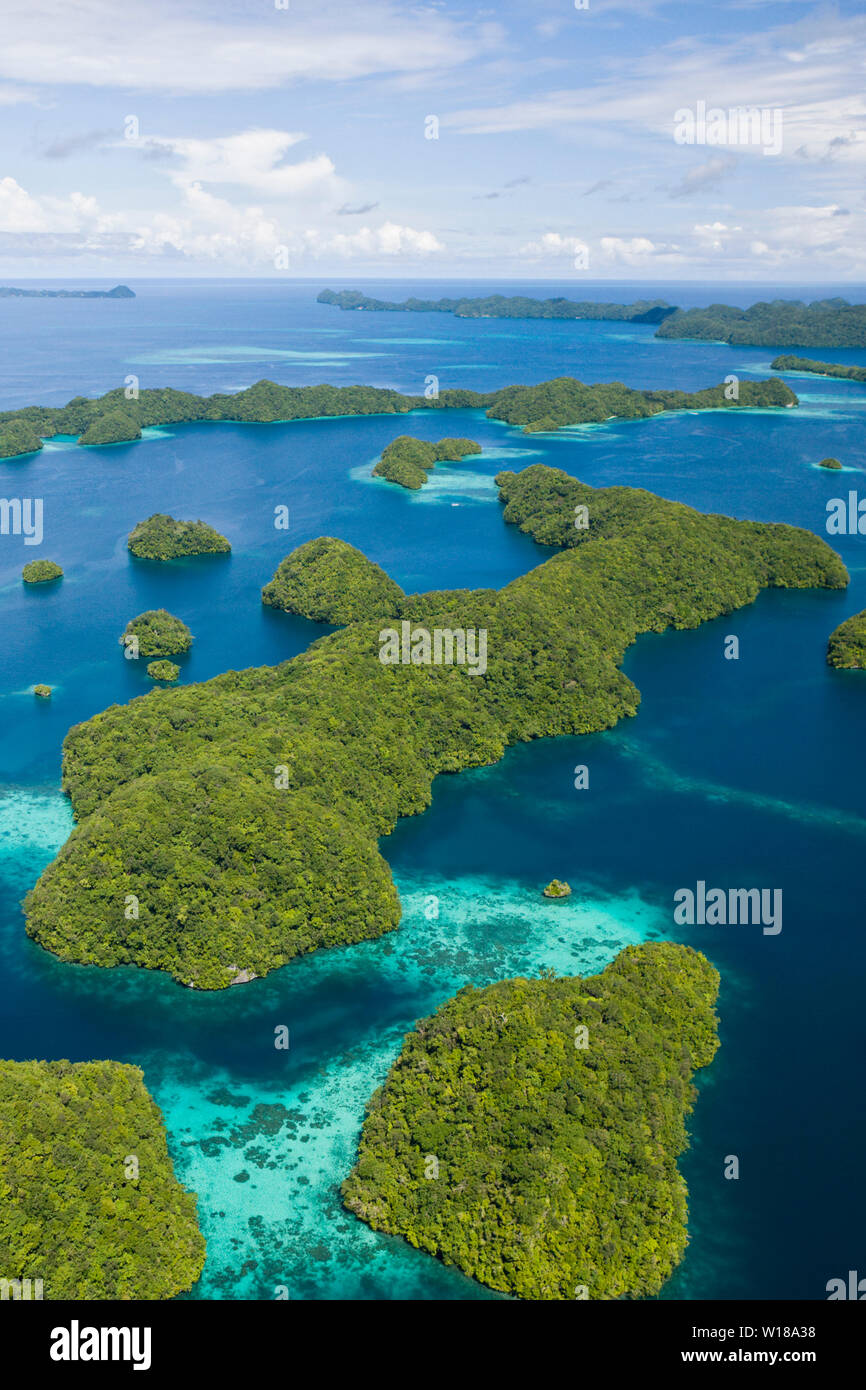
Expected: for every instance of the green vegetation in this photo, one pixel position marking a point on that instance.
(119, 292)
(18, 437)
(829, 463)
(780, 323)
(330, 581)
(245, 813)
(807, 364)
(163, 538)
(407, 460)
(42, 691)
(114, 427)
(498, 306)
(555, 1151)
(846, 648)
(556, 888)
(158, 632)
(89, 1202)
(113, 419)
(163, 671)
(41, 571)
(566, 401)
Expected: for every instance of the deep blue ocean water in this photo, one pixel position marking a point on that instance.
(746, 773)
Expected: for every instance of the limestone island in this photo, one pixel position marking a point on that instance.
(119, 292)
(163, 671)
(331, 581)
(808, 364)
(556, 888)
(114, 427)
(247, 813)
(779, 323)
(846, 649)
(407, 460)
(161, 537)
(43, 692)
(112, 419)
(41, 572)
(17, 438)
(829, 463)
(499, 306)
(529, 1132)
(91, 1207)
(157, 633)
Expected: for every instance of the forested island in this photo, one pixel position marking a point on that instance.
(330, 581)
(407, 460)
(119, 292)
(111, 419)
(529, 1132)
(90, 1203)
(808, 364)
(245, 813)
(499, 306)
(846, 648)
(157, 633)
(41, 572)
(161, 537)
(163, 670)
(779, 323)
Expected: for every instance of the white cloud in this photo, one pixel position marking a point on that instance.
(22, 213)
(636, 250)
(390, 239)
(189, 46)
(202, 227)
(815, 79)
(554, 244)
(251, 159)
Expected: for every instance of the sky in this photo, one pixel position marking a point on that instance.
(543, 140)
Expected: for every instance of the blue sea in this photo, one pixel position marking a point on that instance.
(739, 773)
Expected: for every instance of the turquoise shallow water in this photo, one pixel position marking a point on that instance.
(737, 773)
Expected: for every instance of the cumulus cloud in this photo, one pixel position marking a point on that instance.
(254, 159)
(202, 227)
(388, 240)
(554, 244)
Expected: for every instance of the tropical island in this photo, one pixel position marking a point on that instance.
(161, 537)
(407, 460)
(829, 463)
(499, 306)
(245, 813)
(808, 364)
(119, 292)
(330, 581)
(41, 572)
(91, 1205)
(781, 322)
(557, 888)
(156, 633)
(846, 649)
(18, 438)
(114, 427)
(163, 670)
(42, 692)
(529, 1132)
(111, 419)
